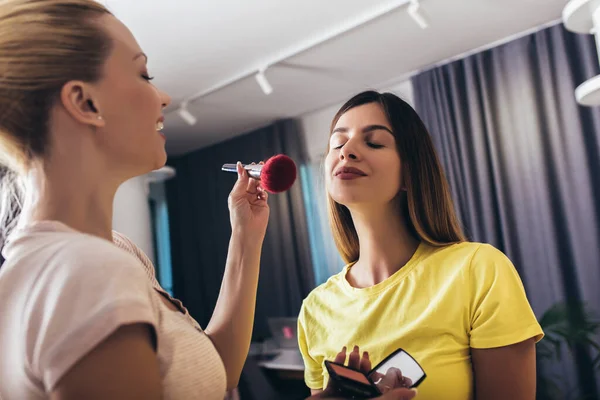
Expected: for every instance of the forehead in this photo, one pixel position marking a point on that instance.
(363, 115)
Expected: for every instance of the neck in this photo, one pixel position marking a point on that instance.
(386, 244)
(81, 198)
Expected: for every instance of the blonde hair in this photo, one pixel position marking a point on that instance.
(43, 45)
(429, 210)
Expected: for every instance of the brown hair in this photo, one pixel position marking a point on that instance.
(43, 45)
(429, 209)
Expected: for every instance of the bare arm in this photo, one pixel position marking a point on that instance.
(505, 372)
(122, 367)
(230, 327)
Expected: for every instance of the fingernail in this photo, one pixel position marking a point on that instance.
(344, 349)
(365, 355)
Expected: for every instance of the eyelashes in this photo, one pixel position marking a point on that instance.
(372, 145)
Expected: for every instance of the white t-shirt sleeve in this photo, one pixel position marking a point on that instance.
(88, 291)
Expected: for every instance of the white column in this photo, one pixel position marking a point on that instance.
(131, 214)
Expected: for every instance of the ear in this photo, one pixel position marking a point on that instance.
(404, 173)
(403, 185)
(77, 98)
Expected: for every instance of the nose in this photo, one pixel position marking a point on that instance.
(348, 151)
(165, 99)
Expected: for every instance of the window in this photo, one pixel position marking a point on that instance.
(325, 257)
(162, 240)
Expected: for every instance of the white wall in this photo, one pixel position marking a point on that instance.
(131, 214)
(315, 125)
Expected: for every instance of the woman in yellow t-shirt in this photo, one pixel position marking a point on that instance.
(412, 280)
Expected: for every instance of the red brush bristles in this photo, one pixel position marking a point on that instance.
(278, 174)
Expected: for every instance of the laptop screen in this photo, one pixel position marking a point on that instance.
(284, 332)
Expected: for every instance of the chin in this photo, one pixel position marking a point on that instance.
(346, 198)
(155, 163)
(360, 196)
(161, 163)
(161, 159)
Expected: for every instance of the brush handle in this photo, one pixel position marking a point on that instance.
(253, 170)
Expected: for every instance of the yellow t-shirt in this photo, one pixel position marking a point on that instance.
(440, 304)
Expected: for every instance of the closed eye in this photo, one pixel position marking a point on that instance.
(374, 145)
(148, 78)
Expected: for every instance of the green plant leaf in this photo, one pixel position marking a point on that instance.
(572, 326)
(548, 389)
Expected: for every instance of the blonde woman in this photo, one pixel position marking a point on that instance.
(80, 318)
(412, 281)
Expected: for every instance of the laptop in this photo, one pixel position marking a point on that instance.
(285, 336)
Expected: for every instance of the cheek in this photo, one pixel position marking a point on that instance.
(132, 97)
(328, 161)
(391, 168)
(329, 165)
(133, 116)
(142, 100)
(138, 113)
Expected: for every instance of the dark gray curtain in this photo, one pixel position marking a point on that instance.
(523, 161)
(200, 228)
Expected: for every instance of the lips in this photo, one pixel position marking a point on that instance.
(347, 173)
(349, 170)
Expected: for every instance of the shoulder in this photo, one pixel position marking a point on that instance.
(484, 255)
(457, 249)
(87, 250)
(126, 244)
(75, 259)
(466, 253)
(82, 289)
(465, 262)
(479, 264)
(80, 275)
(329, 288)
(488, 253)
(324, 293)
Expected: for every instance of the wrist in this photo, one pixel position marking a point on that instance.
(247, 236)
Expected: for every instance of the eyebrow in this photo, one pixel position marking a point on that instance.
(366, 129)
(141, 54)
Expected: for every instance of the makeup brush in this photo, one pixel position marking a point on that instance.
(276, 175)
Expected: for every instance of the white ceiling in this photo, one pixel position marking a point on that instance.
(194, 45)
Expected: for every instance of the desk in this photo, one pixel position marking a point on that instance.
(286, 378)
(283, 371)
(280, 359)
(282, 363)
(289, 383)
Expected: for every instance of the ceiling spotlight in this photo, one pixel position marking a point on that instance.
(416, 13)
(263, 82)
(186, 115)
